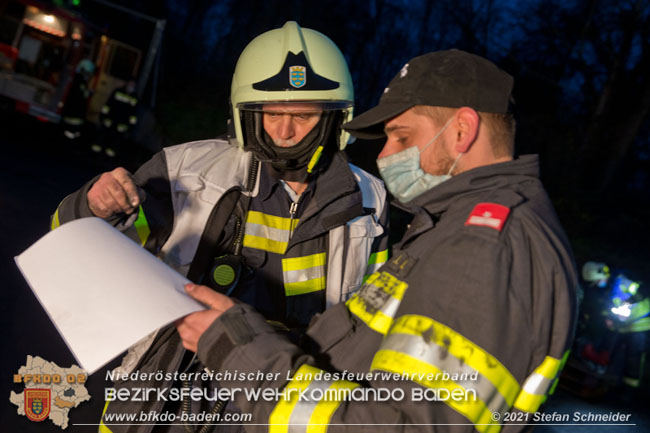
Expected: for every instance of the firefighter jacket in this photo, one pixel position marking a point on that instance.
(477, 301)
(76, 102)
(185, 182)
(118, 113)
(339, 240)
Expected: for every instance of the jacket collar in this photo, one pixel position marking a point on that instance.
(269, 183)
(428, 207)
(480, 179)
(336, 200)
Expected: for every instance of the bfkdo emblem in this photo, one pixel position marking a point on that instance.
(297, 76)
(37, 404)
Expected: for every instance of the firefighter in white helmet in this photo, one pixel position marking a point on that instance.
(275, 216)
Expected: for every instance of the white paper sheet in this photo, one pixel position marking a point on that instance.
(102, 291)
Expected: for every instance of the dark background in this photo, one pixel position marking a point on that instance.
(582, 100)
(581, 89)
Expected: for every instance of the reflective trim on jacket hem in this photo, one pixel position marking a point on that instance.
(433, 355)
(540, 383)
(293, 414)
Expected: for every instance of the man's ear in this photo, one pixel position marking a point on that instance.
(467, 122)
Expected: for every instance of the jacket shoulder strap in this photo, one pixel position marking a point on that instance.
(217, 220)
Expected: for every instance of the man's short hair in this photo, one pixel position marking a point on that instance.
(501, 128)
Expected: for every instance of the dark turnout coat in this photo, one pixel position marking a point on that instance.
(477, 302)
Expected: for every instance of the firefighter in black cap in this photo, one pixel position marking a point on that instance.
(467, 327)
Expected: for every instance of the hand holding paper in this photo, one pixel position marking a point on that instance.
(191, 327)
(102, 291)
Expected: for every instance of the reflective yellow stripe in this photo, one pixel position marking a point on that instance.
(377, 301)
(565, 358)
(378, 321)
(268, 232)
(375, 261)
(639, 310)
(265, 244)
(322, 414)
(549, 367)
(102, 427)
(74, 121)
(304, 274)
(540, 383)
(473, 409)
(472, 354)
(272, 221)
(126, 98)
(302, 287)
(425, 350)
(55, 220)
(308, 415)
(638, 326)
(314, 159)
(305, 262)
(142, 227)
(528, 402)
(279, 418)
(378, 257)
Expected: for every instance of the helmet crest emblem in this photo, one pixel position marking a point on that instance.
(297, 76)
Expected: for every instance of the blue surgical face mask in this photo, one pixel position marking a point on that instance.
(403, 175)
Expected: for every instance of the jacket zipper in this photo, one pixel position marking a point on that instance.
(292, 213)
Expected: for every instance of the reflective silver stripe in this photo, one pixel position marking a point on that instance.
(304, 409)
(443, 360)
(537, 384)
(304, 274)
(266, 232)
(371, 269)
(378, 298)
(390, 307)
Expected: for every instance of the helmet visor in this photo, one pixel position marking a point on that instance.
(293, 107)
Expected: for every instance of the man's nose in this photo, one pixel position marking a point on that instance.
(390, 147)
(285, 127)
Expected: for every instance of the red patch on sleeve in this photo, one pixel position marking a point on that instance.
(489, 215)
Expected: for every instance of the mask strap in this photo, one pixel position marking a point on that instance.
(437, 135)
(454, 164)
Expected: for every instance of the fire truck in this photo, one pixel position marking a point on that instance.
(40, 47)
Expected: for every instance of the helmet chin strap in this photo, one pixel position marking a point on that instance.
(295, 163)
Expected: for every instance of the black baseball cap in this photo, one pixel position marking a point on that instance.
(451, 78)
